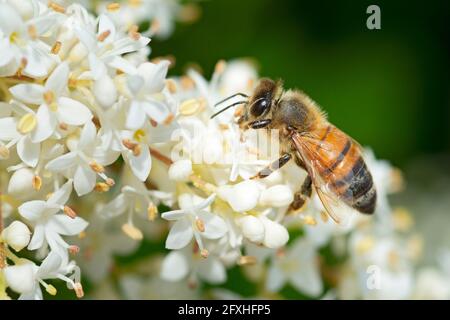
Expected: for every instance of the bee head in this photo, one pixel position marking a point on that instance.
(259, 106)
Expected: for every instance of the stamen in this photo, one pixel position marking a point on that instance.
(114, 6)
(365, 245)
(220, 66)
(110, 182)
(133, 232)
(69, 212)
(74, 249)
(27, 123)
(49, 97)
(4, 152)
(171, 85)
(153, 123)
(281, 253)
(63, 126)
(37, 183)
(56, 47)
(78, 290)
(191, 106)
(32, 32)
(309, 220)
(187, 83)
(134, 33)
(56, 7)
(101, 187)
(98, 168)
(155, 26)
(204, 253)
(200, 224)
(152, 212)
(135, 3)
(324, 216)
(247, 260)
(169, 119)
(102, 36)
(133, 146)
(82, 235)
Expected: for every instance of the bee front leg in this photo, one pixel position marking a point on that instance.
(277, 164)
(259, 124)
(301, 196)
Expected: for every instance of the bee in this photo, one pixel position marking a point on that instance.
(333, 161)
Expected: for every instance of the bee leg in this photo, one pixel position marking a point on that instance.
(277, 164)
(258, 124)
(301, 196)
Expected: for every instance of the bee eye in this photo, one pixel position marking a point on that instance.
(260, 107)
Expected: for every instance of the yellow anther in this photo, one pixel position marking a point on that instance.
(133, 232)
(78, 290)
(220, 66)
(69, 212)
(187, 83)
(110, 182)
(63, 126)
(56, 47)
(133, 146)
(155, 26)
(169, 119)
(51, 290)
(139, 135)
(152, 212)
(49, 97)
(134, 33)
(204, 253)
(365, 245)
(402, 219)
(27, 123)
(114, 6)
(102, 36)
(309, 221)
(324, 216)
(74, 249)
(4, 152)
(97, 167)
(134, 3)
(82, 235)
(171, 85)
(56, 7)
(247, 260)
(200, 224)
(32, 32)
(37, 183)
(101, 187)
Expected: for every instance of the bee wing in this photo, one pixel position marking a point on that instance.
(337, 209)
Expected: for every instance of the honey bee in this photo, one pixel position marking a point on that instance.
(333, 161)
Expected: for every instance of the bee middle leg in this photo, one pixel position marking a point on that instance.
(301, 196)
(277, 164)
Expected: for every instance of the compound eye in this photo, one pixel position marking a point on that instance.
(260, 107)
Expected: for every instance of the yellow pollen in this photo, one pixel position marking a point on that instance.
(133, 32)
(49, 97)
(56, 47)
(51, 290)
(169, 119)
(133, 232)
(171, 85)
(152, 212)
(402, 219)
(220, 66)
(139, 135)
(102, 36)
(114, 6)
(247, 260)
(56, 7)
(187, 83)
(27, 123)
(74, 249)
(96, 167)
(190, 107)
(37, 183)
(4, 152)
(63, 126)
(101, 187)
(365, 245)
(224, 126)
(310, 221)
(82, 235)
(32, 32)
(13, 37)
(69, 212)
(134, 3)
(200, 224)
(204, 253)
(110, 182)
(48, 195)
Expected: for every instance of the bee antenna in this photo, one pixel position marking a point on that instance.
(227, 107)
(232, 96)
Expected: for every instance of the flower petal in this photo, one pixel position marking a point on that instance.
(37, 241)
(180, 235)
(28, 93)
(141, 164)
(33, 210)
(73, 112)
(62, 224)
(84, 180)
(156, 110)
(28, 151)
(136, 116)
(45, 124)
(61, 196)
(212, 270)
(50, 264)
(87, 137)
(174, 266)
(57, 81)
(173, 215)
(8, 131)
(275, 279)
(215, 226)
(62, 163)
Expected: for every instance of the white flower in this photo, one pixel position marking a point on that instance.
(16, 235)
(276, 196)
(48, 224)
(84, 162)
(299, 267)
(21, 183)
(193, 220)
(252, 228)
(432, 285)
(56, 107)
(26, 278)
(275, 234)
(180, 264)
(242, 196)
(180, 170)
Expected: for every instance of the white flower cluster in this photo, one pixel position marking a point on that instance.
(94, 139)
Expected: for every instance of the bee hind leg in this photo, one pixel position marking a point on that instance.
(301, 196)
(277, 164)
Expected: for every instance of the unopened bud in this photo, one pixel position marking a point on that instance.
(16, 235)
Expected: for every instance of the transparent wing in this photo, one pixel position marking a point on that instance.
(311, 151)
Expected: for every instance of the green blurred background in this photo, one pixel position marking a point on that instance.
(387, 88)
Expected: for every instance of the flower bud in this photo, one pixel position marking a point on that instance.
(16, 235)
(20, 278)
(275, 235)
(105, 91)
(276, 196)
(21, 183)
(242, 196)
(180, 170)
(252, 228)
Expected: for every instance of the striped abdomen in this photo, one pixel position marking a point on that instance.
(344, 169)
